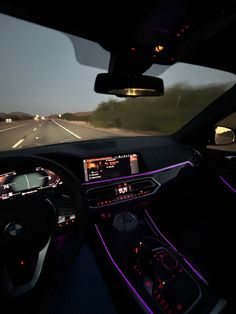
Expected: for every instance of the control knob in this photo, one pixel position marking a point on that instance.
(168, 262)
(125, 221)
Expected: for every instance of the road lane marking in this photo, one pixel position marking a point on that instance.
(34, 129)
(72, 133)
(13, 127)
(18, 143)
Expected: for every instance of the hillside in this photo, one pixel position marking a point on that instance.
(77, 116)
(15, 116)
(165, 114)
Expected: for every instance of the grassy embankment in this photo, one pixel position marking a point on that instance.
(164, 114)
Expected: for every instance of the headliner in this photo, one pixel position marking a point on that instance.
(200, 32)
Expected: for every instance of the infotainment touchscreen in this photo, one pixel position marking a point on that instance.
(110, 167)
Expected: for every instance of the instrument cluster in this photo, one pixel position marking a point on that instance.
(13, 184)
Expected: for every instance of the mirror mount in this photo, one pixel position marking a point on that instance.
(133, 60)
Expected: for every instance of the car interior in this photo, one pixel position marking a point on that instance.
(126, 224)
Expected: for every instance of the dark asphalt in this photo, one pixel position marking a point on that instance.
(43, 132)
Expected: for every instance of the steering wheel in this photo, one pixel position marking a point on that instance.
(29, 229)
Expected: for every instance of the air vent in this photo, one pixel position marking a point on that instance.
(146, 184)
(121, 192)
(101, 193)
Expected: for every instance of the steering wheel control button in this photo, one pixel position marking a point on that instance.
(13, 229)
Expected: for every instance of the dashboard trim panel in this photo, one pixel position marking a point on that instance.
(123, 198)
(184, 163)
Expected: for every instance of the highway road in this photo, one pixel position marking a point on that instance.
(43, 132)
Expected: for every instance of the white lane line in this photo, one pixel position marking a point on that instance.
(18, 143)
(34, 129)
(72, 133)
(13, 127)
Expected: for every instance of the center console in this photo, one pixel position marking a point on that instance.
(161, 279)
(118, 190)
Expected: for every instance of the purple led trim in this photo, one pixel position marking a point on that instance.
(140, 174)
(227, 183)
(194, 270)
(121, 273)
(188, 262)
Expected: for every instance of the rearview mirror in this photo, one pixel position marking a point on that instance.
(224, 135)
(128, 85)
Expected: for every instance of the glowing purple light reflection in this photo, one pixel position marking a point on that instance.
(141, 174)
(194, 270)
(121, 273)
(227, 183)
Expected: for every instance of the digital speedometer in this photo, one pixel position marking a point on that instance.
(12, 183)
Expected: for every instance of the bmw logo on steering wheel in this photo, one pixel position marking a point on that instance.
(13, 229)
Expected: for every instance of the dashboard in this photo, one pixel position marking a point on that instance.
(117, 183)
(109, 173)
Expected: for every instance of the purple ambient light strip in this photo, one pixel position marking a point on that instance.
(195, 271)
(227, 183)
(141, 174)
(121, 273)
(185, 259)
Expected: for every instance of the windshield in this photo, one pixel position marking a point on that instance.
(47, 97)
